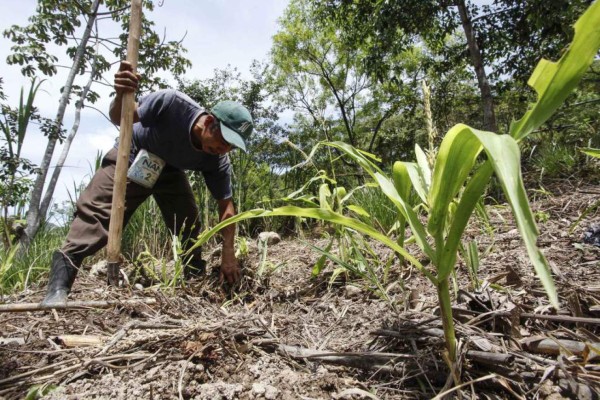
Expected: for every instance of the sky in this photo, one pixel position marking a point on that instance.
(217, 33)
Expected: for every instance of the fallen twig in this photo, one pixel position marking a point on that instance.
(556, 318)
(555, 346)
(73, 305)
(136, 325)
(371, 360)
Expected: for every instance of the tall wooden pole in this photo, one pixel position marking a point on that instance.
(115, 229)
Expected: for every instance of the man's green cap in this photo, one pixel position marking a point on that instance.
(236, 122)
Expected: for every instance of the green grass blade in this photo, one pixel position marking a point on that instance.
(363, 158)
(358, 210)
(553, 81)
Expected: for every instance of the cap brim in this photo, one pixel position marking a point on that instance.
(232, 137)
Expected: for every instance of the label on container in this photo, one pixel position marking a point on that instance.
(145, 169)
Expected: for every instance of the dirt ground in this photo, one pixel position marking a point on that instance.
(288, 335)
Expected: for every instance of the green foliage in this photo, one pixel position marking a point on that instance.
(452, 191)
(39, 391)
(554, 81)
(324, 81)
(17, 272)
(470, 254)
(554, 161)
(57, 22)
(144, 235)
(15, 171)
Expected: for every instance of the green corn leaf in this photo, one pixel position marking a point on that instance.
(402, 178)
(468, 201)
(324, 195)
(320, 264)
(456, 158)
(416, 181)
(320, 177)
(358, 210)
(411, 216)
(365, 159)
(554, 81)
(316, 213)
(591, 152)
(505, 158)
(351, 192)
(503, 151)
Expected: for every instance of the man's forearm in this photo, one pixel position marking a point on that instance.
(228, 234)
(227, 210)
(115, 109)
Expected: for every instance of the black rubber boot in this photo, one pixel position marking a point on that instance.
(195, 268)
(62, 276)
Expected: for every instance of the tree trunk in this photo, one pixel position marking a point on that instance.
(67, 144)
(34, 214)
(489, 117)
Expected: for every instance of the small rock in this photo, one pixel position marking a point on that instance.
(592, 235)
(258, 389)
(352, 291)
(271, 393)
(99, 268)
(269, 238)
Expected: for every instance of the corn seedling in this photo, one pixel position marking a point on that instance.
(458, 181)
(336, 198)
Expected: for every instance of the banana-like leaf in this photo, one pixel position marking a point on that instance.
(316, 213)
(591, 152)
(554, 81)
(456, 158)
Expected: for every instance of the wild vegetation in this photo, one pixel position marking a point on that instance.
(364, 160)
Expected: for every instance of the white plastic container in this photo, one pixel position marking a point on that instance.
(145, 169)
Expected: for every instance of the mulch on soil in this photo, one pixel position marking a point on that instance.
(288, 335)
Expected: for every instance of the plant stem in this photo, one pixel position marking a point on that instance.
(446, 314)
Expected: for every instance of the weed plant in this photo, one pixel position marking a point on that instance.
(19, 269)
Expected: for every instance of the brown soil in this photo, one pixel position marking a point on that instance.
(287, 335)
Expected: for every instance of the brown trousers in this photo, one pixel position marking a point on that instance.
(172, 193)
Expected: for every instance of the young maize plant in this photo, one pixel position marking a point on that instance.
(458, 181)
(354, 254)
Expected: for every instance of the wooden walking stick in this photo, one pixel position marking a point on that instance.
(115, 229)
